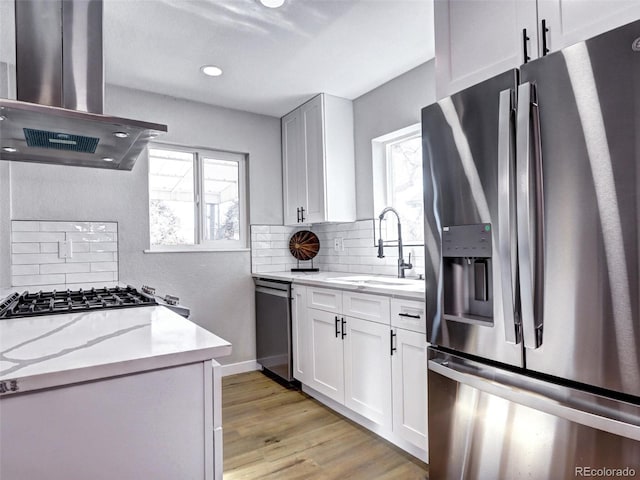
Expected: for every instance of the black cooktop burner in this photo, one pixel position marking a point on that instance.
(47, 303)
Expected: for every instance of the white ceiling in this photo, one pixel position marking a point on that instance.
(273, 59)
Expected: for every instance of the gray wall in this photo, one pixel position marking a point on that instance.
(392, 106)
(216, 285)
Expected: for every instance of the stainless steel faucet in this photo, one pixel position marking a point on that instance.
(402, 265)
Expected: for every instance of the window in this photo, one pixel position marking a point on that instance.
(397, 173)
(196, 198)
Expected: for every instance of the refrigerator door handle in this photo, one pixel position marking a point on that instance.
(527, 225)
(506, 213)
(564, 402)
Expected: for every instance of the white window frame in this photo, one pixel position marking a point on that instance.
(380, 147)
(199, 153)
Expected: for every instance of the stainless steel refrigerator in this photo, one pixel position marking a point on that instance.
(532, 207)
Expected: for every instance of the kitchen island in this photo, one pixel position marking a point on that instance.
(123, 393)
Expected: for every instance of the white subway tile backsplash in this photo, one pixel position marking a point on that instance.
(25, 269)
(22, 237)
(262, 261)
(35, 253)
(357, 242)
(91, 237)
(269, 268)
(93, 257)
(35, 258)
(66, 268)
(25, 248)
(25, 226)
(104, 267)
(279, 229)
(62, 226)
(90, 277)
(103, 247)
(359, 254)
(48, 247)
(86, 247)
(24, 280)
(262, 252)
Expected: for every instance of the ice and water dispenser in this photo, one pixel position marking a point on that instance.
(467, 273)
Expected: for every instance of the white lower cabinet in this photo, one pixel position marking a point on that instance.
(367, 378)
(350, 361)
(409, 374)
(326, 372)
(162, 424)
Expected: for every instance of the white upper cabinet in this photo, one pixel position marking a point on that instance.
(318, 162)
(476, 40)
(571, 21)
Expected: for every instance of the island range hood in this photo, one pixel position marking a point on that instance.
(58, 115)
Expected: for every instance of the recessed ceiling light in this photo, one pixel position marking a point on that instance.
(107, 159)
(9, 149)
(120, 134)
(272, 3)
(211, 70)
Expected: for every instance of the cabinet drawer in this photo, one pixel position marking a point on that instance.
(408, 314)
(368, 307)
(324, 299)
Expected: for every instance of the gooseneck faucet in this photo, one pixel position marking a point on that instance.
(402, 265)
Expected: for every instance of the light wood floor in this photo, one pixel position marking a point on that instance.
(271, 432)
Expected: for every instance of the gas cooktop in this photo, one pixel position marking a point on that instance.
(67, 301)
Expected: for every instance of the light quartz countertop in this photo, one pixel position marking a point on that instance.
(413, 289)
(53, 350)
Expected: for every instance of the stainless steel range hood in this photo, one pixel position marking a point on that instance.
(58, 116)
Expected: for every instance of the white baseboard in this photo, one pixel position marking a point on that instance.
(240, 367)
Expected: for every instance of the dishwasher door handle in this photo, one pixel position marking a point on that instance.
(272, 291)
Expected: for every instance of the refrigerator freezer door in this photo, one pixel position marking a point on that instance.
(464, 136)
(588, 102)
(486, 422)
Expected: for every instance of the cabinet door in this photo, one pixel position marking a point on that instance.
(368, 370)
(299, 333)
(313, 139)
(409, 363)
(326, 369)
(477, 40)
(293, 166)
(570, 21)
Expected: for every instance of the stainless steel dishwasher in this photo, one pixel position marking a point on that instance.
(273, 327)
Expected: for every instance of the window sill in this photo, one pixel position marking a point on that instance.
(194, 250)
